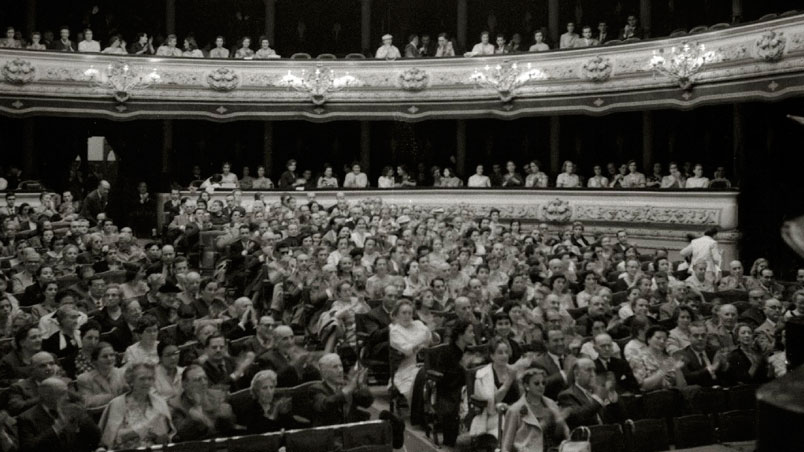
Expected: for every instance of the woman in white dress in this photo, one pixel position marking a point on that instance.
(407, 336)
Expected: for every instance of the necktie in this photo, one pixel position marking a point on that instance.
(560, 363)
(605, 363)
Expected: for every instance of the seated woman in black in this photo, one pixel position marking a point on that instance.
(747, 363)
(263, 413)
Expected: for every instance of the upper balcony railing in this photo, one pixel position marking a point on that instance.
(758, 61)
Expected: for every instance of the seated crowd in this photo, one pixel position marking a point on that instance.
(415, 47)
(627, 175)
(108, 340)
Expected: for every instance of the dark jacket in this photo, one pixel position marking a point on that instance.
(12, 369)
(587, 411)
(623, 375)
(36, 433)
(555, 382)
(21, 396)
(253, 417)
(286, 374)
(695, 372)
(329, 404)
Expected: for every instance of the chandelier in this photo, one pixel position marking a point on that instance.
(121, 79)
(318, 84)
(681, 63)
(505, 78)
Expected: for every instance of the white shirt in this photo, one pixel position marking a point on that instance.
(353, 180)
(483, 49)
(477, 180)
(697, 182)
(89, 46)
(388, 52)
(704, 249)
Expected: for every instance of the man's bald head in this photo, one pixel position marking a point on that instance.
(52, 391)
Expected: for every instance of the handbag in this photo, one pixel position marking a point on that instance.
(578, 441)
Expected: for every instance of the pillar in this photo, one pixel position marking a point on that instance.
(462, 25)
(267, 147)
(365, 146)
(738, 145)
(647, 141)
(555, 144)
(736, 11)
(365, 26)
(170, 16)
(553, 25)
(167, 144)
(29, 160)
(460, 147)
(270, 20)
(645, 17)
(30, 17)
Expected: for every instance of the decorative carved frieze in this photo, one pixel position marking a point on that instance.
(414, 79)
(597, 69)
(770, 47)
(18, 71)
(223, 79)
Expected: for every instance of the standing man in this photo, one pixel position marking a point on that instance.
(96, 202)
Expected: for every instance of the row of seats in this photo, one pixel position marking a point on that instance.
(694, 430)
(369, 436)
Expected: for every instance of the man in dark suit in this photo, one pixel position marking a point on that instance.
(167, 310)
(123, 334)
(173, 206)
(631, 29)
(66, 342)
(279, 359)
(56, 424)
(376, 323)
(337, 400)
(607, 362)
(96, 202)
(556, 362)
(24, 394)
(221, 369)
(702, 364)
(589, 400)
(63, 44)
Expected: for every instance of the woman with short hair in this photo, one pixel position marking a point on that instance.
(264, 412)
(654, 368)
(407, 336)
(105, 382)
(138, 418)
(568, 178)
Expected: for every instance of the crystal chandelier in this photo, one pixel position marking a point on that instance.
(681, 63)
(505, 78)
(318, 84)
(121, 79)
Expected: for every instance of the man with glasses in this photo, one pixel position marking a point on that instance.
(200, 412)
(773, 319)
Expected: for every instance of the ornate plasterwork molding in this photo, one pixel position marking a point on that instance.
(438, 87)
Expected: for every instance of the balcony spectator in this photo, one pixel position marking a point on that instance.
(444, 48)
(427, 48)
(9, 42)
(265, 51)
(327, 180)
(356, 178)
(412, 48)
(634, 179)
(598, 180)
(244, 52)
(262, 182)
(387, 51)
(449, 179)
(515, 46)
(36, 42)
(64, 44)
(697, 180)
(536, 178)
(631, 29)
(512, 179)
(191, 49)
(116, 46)
(228, 178)
(567, 40)
(675, 179)
(386, 179)
(246, 182)
(655, 179)
(586, 39)
(88, 44)
(403, 177)
(501, 47)
(538, 43)
(169, 48)
(719, 180)
(219, 51)
(143, 46)
(602, 33)
(483, 48)
(568, 178)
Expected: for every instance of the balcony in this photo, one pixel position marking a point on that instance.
(746, 63)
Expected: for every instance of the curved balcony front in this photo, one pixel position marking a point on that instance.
(758, 61)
